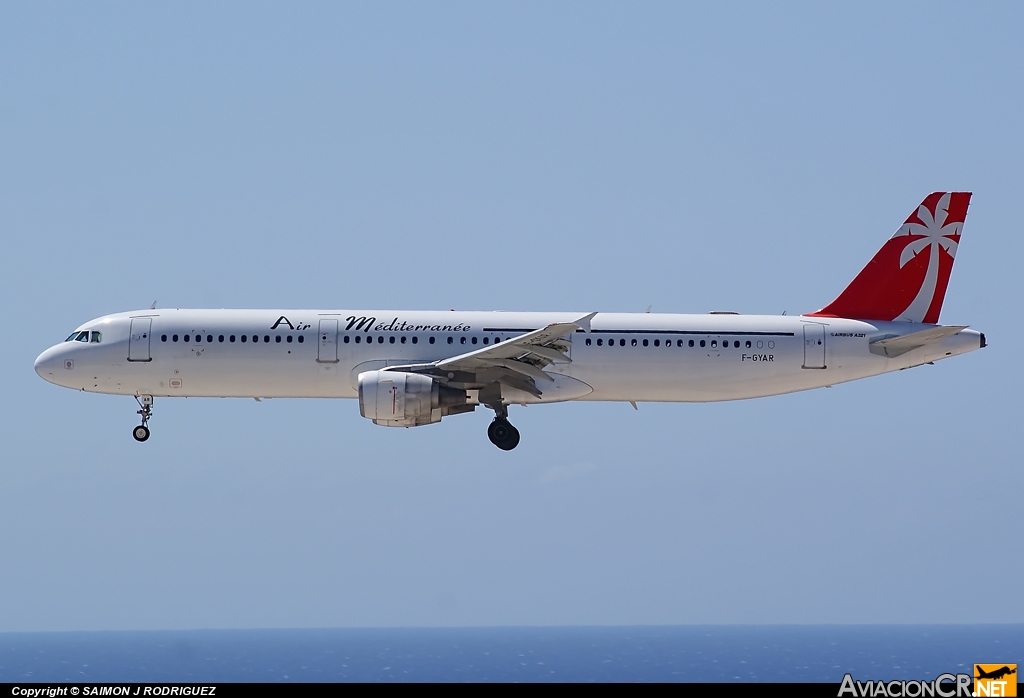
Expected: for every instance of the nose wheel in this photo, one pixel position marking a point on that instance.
(141, 432)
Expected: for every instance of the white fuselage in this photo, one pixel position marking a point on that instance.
(625, 357)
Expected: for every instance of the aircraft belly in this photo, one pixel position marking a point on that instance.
(203, 376)
(708, 377)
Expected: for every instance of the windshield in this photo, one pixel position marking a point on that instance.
(85, 336)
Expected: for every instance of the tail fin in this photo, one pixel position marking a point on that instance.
(906, 280)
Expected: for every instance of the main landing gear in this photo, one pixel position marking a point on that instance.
(500, 432)
(141, 432)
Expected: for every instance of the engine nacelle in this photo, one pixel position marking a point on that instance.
(398, 399)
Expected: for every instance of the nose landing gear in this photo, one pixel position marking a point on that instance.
(501, 433)
(141, 432)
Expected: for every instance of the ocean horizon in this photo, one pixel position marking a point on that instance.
(678, 653)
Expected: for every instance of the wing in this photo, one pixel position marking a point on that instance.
(897, 346)
(518, 362)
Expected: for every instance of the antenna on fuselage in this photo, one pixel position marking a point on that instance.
(153, 307)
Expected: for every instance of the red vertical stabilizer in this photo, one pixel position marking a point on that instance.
(906, 280)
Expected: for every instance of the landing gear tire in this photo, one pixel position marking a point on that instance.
(141, 432)
(502, 434)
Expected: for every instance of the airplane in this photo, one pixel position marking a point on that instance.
(412, 368)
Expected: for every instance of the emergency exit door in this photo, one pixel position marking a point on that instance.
(814, 346)
(327, 353)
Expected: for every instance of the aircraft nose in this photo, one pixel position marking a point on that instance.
(46, 364)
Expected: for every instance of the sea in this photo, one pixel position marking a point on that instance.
(689, 653)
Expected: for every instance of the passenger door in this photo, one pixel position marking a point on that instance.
(138, 341)
(814, 346)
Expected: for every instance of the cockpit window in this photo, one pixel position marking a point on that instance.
(71, 337)
(82, 337)
(95, 338)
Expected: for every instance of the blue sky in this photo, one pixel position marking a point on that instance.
(527, 156)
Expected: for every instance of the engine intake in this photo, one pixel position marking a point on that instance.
(397, 399)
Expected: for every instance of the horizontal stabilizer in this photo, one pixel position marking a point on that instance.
(901, 344)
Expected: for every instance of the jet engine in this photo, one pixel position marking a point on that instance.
(397, 399)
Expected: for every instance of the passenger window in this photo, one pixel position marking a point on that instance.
(748, 344)
(186, 338)
(462, 340)
(588, 341)
(599, 342)
(415, 340)
(209, 338)
(369, 340)
(657, 343)
(174, 338)
(380, 340)
(431, 340)
(301, 339)
(220, 338)
(485, 340)
(358, 339)
(473, 340)
(645, 342)
(199, 338)
(690, 343)
(451, 340)
(277, 338)
(256, 338)
(266, 338)
(345, 340)
(714, 343)
(163, 338)
(632, 343)
(622, 342)
(245, 338)
(702, 342)
(391, 339)
(405, 339)
(231, 338)
(290, 338)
